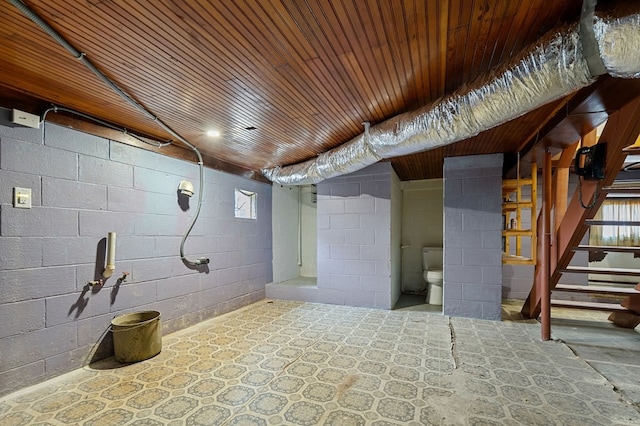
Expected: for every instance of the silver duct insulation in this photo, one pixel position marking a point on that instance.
(552, 68)
(618, 41)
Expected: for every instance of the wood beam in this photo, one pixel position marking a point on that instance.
(562, 183)
(591, 138)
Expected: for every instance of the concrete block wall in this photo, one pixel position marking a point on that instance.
(82, 188)
(473, 237)
(354, 238)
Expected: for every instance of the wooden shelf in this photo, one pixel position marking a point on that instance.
(512, 206)
(516, 232)
(510, 185)
(516, 260)
(515, 208)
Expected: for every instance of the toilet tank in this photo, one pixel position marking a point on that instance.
(432, 258)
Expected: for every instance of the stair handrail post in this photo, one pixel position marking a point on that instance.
(545, 290)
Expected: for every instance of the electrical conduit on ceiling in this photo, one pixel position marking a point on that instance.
(82, 57)
(557, 65)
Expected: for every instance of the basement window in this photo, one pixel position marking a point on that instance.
(617, 210)
(245, 206)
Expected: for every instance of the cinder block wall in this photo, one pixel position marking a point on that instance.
(82, 188)
(473, 237)
(354, 238)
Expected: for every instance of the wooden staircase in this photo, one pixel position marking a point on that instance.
(621, 299)
(626, 297)
(557, 243)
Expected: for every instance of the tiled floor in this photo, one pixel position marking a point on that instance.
(293, 363)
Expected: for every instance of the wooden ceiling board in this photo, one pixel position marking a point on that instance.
(179, 90)
(67, 83)
(305, 74)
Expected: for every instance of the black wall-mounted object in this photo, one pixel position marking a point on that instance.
(590, 161)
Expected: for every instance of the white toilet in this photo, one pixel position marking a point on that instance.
(432, 273)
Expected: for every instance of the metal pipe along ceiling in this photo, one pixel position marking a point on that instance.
(555, 66)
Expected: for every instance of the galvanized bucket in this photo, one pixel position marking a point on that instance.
(136, 336)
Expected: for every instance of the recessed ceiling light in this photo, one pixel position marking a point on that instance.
(213, 133)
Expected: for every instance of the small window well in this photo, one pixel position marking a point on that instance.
(245, 206)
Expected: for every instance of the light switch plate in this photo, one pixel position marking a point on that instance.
(22, 198)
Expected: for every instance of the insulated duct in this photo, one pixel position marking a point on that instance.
(553, 67)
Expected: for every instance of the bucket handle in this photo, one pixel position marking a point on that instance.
(134, 326)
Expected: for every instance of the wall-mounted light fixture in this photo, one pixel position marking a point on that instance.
(185, 188)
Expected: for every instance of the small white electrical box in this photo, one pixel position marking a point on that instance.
(22, 198)
(26, 119)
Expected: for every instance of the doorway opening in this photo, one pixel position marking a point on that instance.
(422, 226)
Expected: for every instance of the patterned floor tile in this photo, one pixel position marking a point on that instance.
(80, 411)
(176, 408)
(148, 398)
(294, 363)
(210, 415)
(304, 413)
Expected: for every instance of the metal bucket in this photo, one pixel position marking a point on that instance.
(136, 336)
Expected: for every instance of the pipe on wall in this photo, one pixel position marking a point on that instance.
(553, 67)
(299, 226)
(545, 258)
(111, 255)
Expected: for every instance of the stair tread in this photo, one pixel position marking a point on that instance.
(588, 305)
(596, 289)
(617, 249)
(612, 222)
(623, 188)
(608, 271)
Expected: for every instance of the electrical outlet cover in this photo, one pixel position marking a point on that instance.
(26, 119)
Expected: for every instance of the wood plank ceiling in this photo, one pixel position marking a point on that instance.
(282, 80)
